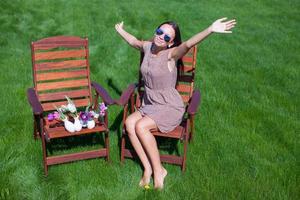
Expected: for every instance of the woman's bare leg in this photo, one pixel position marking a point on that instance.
(143, 127)
(130, 127)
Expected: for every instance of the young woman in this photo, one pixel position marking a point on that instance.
(162, 107)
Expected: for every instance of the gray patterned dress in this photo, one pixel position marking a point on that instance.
(161, 101)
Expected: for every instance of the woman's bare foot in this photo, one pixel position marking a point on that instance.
(146, 178)
(159, 179)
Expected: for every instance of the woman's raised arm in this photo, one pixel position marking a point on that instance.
(219, 26)
(130, 39)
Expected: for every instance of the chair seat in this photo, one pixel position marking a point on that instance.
(56, 129)
(177, 133)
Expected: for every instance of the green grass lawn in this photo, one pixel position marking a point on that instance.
(246, 144)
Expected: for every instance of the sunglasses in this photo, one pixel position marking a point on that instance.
(160, 32)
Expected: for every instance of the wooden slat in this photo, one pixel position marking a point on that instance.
(59, 41)
(185, 98)
(61, 75)
(61, 95)
(60, 54)
(78, 103)
(176, 133)
(62, 84)
(55, 129)
(60, 65)
(59, 132)
(52, 46)
(183, 88)
(61, 38)
(171, 159)
(76, 156)
(164, 158)
(187, 59)
(188, 68)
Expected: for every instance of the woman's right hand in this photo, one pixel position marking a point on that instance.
(119, 26)
(130, 39)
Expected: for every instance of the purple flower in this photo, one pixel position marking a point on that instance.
(50, 117)
(102, 113)
(85, 116)
(102, 109)
(56, 115)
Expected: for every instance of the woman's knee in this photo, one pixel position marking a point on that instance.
(130, 123)
(140, 127)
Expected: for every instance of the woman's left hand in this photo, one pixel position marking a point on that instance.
(222, 26)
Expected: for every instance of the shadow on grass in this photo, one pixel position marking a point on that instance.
(72, 143)
(113, 86)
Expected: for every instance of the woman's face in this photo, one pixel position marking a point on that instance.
(164, 35)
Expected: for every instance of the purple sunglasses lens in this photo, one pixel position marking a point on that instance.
(159, 31)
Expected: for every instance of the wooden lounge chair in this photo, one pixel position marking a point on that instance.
(131, 99)
(60, 67)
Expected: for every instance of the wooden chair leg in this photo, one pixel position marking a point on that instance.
(44, 148)
(132, 103)
(186, 140)
(191, 128)
(122, 148)
(123, 139)
(107, 146)
(36, 131)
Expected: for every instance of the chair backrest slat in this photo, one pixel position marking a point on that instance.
(187, 59)
(68, 64)
(59, 41)
(78, 103)
(61, 85)
(61, 68)
(60, 55)
(184, 88)
(186, 73)
(187, 68)
(185, 98)
(61, 95)
(61, 75)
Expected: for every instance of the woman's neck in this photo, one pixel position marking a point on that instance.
(156, 49)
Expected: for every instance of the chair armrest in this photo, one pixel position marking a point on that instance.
(126, 95)
(103, 93)
(194, 103)
(34, 102)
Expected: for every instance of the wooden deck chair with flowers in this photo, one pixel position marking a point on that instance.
(131, 99)
(61, 78)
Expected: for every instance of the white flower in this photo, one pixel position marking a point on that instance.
(71, 107)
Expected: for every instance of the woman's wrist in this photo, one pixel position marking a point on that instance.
(119, 30)
(210, 29)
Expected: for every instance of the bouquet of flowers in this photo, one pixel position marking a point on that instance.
(71, 109)
(83, 119)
